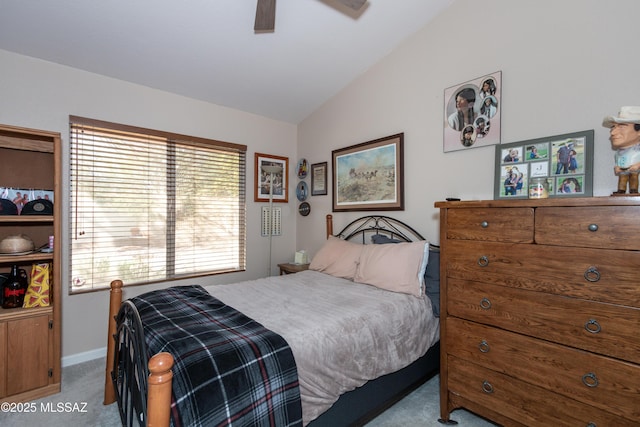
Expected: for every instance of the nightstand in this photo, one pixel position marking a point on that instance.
(287, 268)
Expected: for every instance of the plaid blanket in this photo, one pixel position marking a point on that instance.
(229, 370)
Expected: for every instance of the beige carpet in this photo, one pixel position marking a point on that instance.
(80, 404)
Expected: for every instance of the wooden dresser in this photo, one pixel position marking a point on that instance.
(540, 321)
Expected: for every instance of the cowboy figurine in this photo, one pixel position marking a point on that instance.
(624, 135)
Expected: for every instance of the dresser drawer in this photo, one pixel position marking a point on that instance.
(497, 225)
(528, 404)
(601, 328)
(594, 274)
(615, 227)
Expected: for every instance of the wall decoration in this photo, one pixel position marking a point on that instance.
(302, 169)
(302, 191)
(304, 209)
(369, 176)
(319, 179)
(262, 178)
(472, 113)
(562, 164)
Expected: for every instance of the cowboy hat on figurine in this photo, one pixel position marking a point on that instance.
(625, 115)
(624, 134)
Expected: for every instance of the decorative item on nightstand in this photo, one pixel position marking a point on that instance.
(301, 257)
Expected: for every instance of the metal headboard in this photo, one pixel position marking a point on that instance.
(130, 363)
(363, 228)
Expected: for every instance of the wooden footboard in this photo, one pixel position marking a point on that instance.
(158, 399)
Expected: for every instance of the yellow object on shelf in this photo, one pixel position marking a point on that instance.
(38, 291)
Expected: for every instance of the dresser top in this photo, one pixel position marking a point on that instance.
(558, 201)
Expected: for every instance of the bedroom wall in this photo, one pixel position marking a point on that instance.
(41, 95)
(565, 65)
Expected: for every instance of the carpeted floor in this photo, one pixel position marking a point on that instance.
(80, 404)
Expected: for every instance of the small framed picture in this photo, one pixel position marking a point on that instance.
(271, 178)
(562, 164)
(319, 179)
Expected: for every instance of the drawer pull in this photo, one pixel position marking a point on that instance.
(593, 326)
(483, 261)
(485, 304)
(487, 387)
(592, 274)
(484, 224)
(590, 380)
(593, 227)
(483, 346)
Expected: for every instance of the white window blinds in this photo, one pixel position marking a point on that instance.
(150, 206)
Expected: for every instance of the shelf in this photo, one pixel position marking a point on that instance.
(19, 313)
(18, 219)
(16, 141)
(36, 256)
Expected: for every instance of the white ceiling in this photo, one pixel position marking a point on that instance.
(207, 49)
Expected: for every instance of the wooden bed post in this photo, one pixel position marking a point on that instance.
(329, 225)
(159, 397)
(114, 306)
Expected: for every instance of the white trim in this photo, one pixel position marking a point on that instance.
(86, 356)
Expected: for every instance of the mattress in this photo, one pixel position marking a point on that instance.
(342, 333)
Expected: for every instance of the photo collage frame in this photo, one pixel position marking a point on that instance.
(564, 163)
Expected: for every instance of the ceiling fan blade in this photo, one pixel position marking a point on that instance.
(265, 15)
(352, 4)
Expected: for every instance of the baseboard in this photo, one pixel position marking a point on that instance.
(86, 356)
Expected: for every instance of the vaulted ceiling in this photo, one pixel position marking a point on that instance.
(208, 49)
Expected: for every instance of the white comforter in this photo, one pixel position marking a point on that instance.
(342, 333)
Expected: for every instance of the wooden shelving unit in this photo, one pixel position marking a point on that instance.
(30, 338)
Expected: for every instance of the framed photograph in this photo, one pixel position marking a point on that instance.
(266, 168)
(319, 179)
(561, 164)
(369, 176)
(472, 113)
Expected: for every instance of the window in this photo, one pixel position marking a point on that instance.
(150, 206)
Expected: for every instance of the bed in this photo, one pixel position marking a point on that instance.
(350, 361)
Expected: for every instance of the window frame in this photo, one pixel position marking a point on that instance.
(199, 146)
